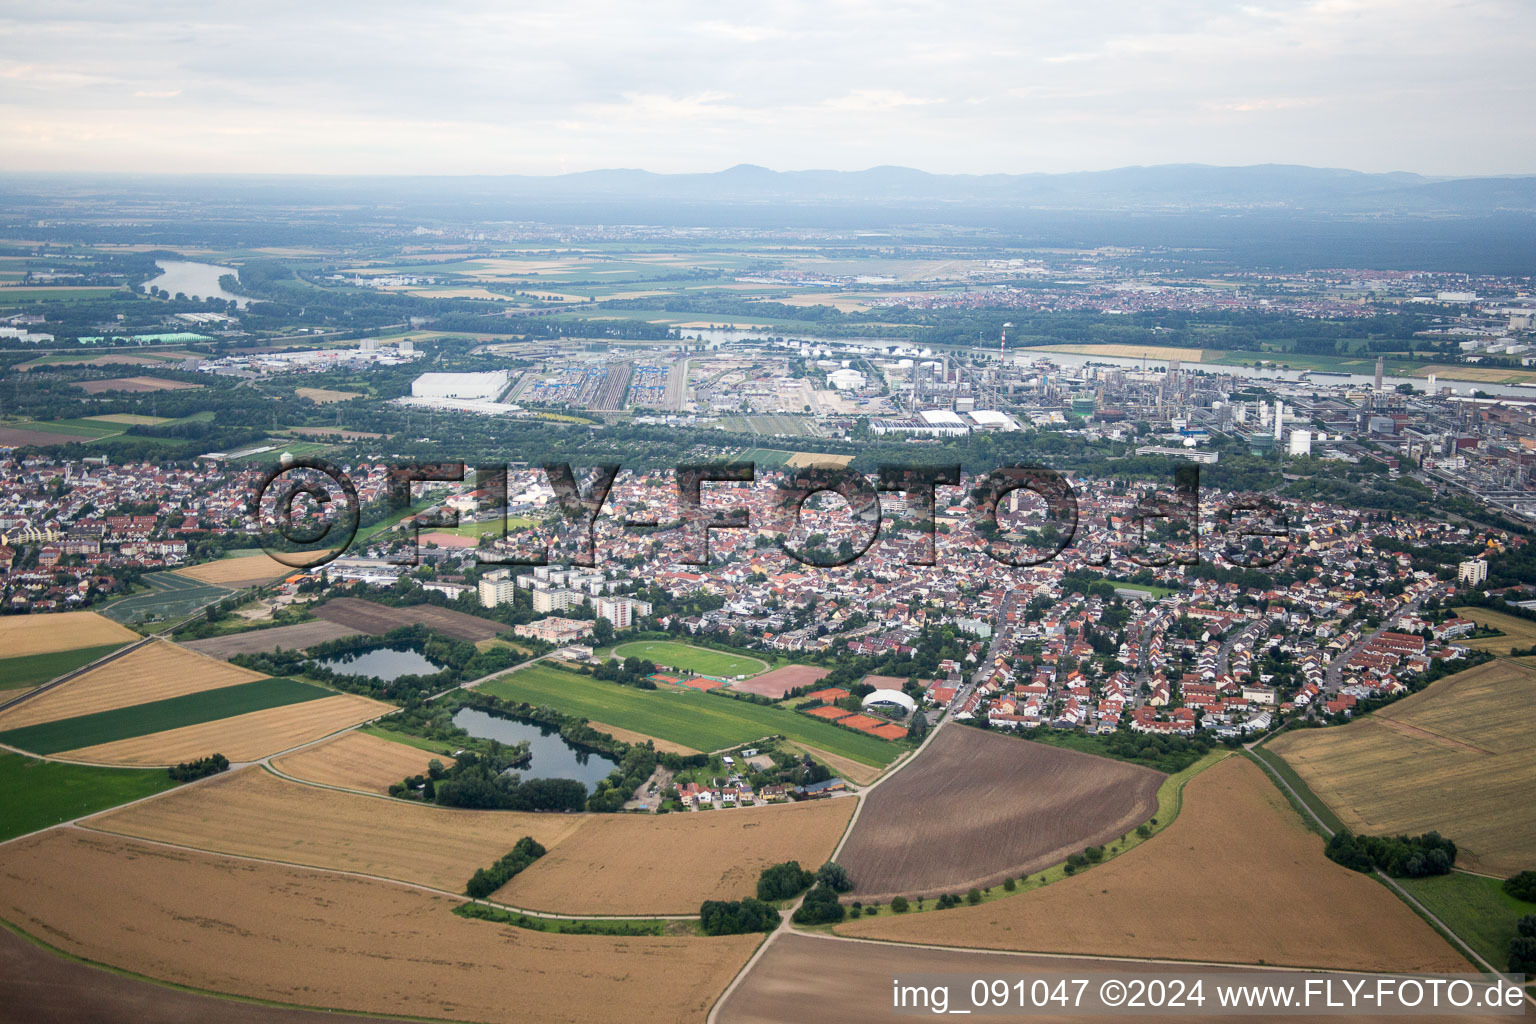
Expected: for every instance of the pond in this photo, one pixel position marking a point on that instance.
(387, 663)
(196, 280)
(553, 758)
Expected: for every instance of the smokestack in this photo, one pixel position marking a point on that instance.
(1279, 418)
(1381, 364)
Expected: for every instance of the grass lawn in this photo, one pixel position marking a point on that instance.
(160, 715)
(419, 742)
(690, 717)
(43, 793)
(1476, 908)
(692, 659)
(166, 596)
(1157, 592)
(480, 529)
(32, 669)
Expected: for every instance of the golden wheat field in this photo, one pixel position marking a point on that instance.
(21, 635)
(1237, 879)
(630, 736)
(246, 737)
(254, 813)
(356, 760)
(670, 863)
(324, 396)
(1458, 757)
(1517, 632)
(265, 931)
(239, 571)
(156, 671)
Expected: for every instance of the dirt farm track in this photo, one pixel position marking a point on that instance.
(992, 806)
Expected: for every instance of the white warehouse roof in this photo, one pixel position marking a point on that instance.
(890, 697)
(941, 418)
(485, 385)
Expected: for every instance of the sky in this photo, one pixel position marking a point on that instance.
(343, 87)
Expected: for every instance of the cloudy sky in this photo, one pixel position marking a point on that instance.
(339, 86)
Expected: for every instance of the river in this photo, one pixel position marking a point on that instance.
(195, 280)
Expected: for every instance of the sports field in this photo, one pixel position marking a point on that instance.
(43, 793)
(692, 659)
(32, 669)
(158, 716)
(689, 717)
(1456, 757)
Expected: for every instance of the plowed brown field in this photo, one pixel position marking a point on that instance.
(379, 619)
(977, 806)
(297, 637)
(254, 813)
(670, 863)
(156, 671)
(1237, 878)
(63, 631)
(247, 737)
(299, 936)
(356, 760)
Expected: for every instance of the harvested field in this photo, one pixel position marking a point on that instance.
(30, 670)
(1237, 878)
(853, 771)
(379, 619)
(1187, 355)
(299, 936)
(337, 433)
(41, 987)
(630, 736)
(325, 396)
(808, 977)
(294, 638)
(1517, 632)
(247, 737)
(253, 813)
(157, 671)
(670, 863)
(991, 806)
(17, 437)
(356, 760)
(800, 459)
(780, 681)
(238, 572)
(1457, 757)
(61, 631)
(133, 385)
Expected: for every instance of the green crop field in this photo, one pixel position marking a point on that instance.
(692, 659)
(32, 669)
(169, 597)
(689, 717)
(1475, 907)
(43, 793)
(86, 430)
(160, 715)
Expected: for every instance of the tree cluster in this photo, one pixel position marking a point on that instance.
(1398, 856)
(487, 880)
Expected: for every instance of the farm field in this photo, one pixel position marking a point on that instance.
(50, 736)
(253, 813)
(780, 681)
(42, 793)
(31, 669)
(992, 806)
(159, 670)
(129, 419)
(170, 596)
(1457, 757)
(133, 385)
(62, 631)
(1517, 632)
(691, 659)
(378, 619)
(304, 937)
(689, 717)
(297, 637)
(855, 772)
(1475, 907)
(246, 737)
(630, 736)
(56, 988)
(241, 571)
(1160, 899)
(324, 396)
(810, 977)
(1164, 352)
(357, 760)
(670, 863)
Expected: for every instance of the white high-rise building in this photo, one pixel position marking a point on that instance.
(496, 589)
(1472, 572)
